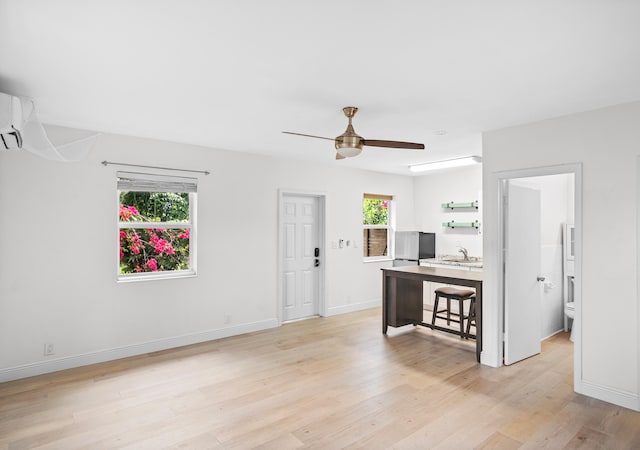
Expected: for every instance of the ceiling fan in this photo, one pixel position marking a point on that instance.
(349, 144)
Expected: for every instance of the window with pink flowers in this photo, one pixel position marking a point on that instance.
(156, 229)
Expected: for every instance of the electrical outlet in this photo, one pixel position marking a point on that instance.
(49, 350)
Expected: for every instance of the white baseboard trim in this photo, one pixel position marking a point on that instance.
(552, 334)
(354, 307)
(69, 362)
(618, 397)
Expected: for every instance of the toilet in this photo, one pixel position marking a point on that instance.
(569, 311)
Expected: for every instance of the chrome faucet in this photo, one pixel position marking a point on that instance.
(464, 252)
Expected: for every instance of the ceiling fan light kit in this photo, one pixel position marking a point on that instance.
(350, 144)
(349, 152)
(446, 164)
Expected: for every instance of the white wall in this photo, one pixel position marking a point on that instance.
(453, 185)
(556, 196)
(606, 143)
(59, 252)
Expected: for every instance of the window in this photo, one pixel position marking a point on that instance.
(156, 226)
(376, 218)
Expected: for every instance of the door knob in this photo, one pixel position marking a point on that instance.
(540, 279)
(316, 263)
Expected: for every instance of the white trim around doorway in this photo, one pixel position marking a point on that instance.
(498, 178)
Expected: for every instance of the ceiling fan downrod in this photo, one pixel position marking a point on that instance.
(349, 144)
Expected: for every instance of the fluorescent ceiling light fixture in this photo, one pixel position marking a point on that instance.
(449, 163)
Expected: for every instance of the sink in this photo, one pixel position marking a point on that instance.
(471, 259)
(453, 260)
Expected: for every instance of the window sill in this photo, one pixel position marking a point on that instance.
(155, 276)
(376, 260)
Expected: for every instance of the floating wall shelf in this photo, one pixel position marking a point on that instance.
(453, 205)
(454, 224)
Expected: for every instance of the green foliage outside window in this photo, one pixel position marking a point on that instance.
(375, 211)
(159, 206)
(375, 215)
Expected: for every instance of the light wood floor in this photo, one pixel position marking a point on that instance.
(321, 383)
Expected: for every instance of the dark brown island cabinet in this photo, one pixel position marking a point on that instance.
(402, 292)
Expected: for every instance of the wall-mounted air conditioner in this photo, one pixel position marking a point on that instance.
(11, 122)
(21, 129)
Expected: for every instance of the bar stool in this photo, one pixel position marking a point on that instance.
(451, 293)
(471, 316)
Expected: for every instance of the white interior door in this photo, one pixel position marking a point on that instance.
(523, 287)
(300, 259)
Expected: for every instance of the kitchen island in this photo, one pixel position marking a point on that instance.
(402, 296)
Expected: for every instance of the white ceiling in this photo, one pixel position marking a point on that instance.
(233, 74)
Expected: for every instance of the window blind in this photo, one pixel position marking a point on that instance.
(144, 182)
(378, 196)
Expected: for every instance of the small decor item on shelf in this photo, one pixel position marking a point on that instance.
(453, 205)
(454, 224)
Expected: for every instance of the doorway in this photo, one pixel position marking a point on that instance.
(301, 256)
(538, 281)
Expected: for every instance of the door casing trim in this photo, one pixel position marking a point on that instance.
(499, 178)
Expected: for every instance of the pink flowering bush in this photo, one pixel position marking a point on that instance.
(151, 249)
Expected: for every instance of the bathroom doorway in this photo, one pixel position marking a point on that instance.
(560, 204)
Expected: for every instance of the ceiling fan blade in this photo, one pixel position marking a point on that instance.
(339, 156)
(393, 144)
(309, 135)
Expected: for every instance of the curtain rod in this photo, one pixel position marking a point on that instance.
(111, 163)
